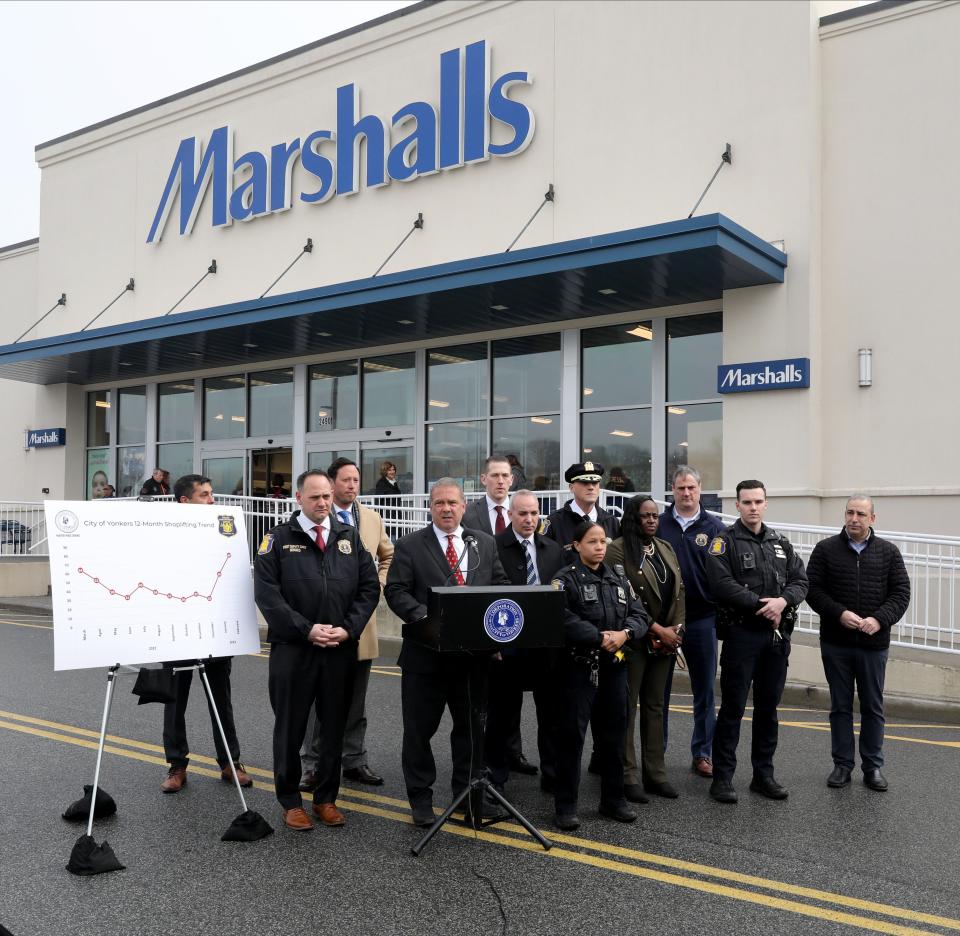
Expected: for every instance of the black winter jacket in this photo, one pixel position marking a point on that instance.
(872, 584)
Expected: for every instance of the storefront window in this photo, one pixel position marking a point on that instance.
(131, 472)
(132, 417)
(224, 408)
(371, 462)
(694, 351)
(616, 365)
(456, 450)
(175, 411)
(389, 389)
(695, 437)
(457, 382)
(333, 397)
(98, 417)
(327, 457)
(620, 440)
(271, 403)
(177, 458)
(226, 474)
(526, 374)
(532, 444)
(98, 471)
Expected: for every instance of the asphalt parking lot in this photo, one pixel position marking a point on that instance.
(824, 861)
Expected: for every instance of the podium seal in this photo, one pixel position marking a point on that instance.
(503, 620)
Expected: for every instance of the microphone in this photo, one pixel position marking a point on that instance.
(471, 541)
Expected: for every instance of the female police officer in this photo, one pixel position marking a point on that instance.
(600, 616)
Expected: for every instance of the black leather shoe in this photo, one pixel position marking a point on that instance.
(566, 822)
(594, 765)
(422, 814)
(308, 782)
(520, 764)
(722, 791)
(839, 777)
(634, 793)
(768, 787)
(363, 774)
(664, 789)
(875, 780)
(622, 812)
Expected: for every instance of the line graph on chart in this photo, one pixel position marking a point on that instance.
(156, 592)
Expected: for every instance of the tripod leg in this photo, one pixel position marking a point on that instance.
(448, 812)
(510, 808)
(223, 737)
(111, 676)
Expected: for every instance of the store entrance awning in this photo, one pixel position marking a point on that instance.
(692, 260)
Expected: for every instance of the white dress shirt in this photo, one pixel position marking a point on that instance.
(308, 526)
(531, 549)
(492, 512)
(575, 507)
(458, 547)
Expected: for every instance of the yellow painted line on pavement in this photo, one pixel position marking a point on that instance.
(29, 723)
(25, 624)
(384, 672)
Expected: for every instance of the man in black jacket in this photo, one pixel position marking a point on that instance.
(528, 559)
(584, 479)
(757, 581)
(317, 587)
(860, 588)
(430, 681)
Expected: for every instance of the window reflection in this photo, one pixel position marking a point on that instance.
(175, 411)
(333, 397)
(389, 387)
(694, 351)
(271, 402)
(526, 374)
(532, 444)
(98, 417)
(456, 450)
(616, 365)
(132, 417)
(457, 382)
(695, 437)
(621, 442)
(224, 407)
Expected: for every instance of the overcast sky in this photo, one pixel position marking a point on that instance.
(67, 65)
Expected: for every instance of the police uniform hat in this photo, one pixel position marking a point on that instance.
(584, 471)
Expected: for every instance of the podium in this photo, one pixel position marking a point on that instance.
(482, 620)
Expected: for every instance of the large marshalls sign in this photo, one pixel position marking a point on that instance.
(142, 582)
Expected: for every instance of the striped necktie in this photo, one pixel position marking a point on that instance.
(532, 578)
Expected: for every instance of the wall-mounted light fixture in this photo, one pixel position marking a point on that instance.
(865, 356)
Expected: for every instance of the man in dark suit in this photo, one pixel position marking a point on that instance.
(528, 559)
(489, 514)
(430, 681)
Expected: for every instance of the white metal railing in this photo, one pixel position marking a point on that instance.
(933, 562)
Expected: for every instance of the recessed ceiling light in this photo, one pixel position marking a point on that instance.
(588, 391)
(641, 331)
(676, 410)
(324, 334)
(607, 292)
(239, 418)
(440, 404)
(684, 444)
(218, 416)
(588, 451)
(542, 420)
(622, 433)
(250, 344)
(125, 364)
(404, 322)
(500, 308)
(103, 404)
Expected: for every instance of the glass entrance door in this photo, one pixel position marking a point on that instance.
(271, 473)
(375, 461)
(226, 472)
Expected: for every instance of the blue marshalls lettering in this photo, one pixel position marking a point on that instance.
(420, 139)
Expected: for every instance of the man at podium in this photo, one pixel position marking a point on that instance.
(437, 556)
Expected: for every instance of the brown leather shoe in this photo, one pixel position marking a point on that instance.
(226, 776)
(328, 814)
(297, 819)
(176, 778)
(703, 766)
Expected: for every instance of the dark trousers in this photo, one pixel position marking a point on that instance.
(175, 746)
(700, 650)
(355, 732)
(423, 698)
(646, 678)
(304, 676)
(750, 655)
(844, 667)
(509, 678)
(604, 708)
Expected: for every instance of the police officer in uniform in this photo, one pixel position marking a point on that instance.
(584, 479)
(601, 615)
(317, 587)
(758, 581)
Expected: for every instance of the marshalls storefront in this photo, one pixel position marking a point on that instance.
(478, 226)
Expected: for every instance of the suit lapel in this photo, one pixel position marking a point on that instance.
(653, 584)
(433, 548)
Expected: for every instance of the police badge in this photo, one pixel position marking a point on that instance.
(227, 525)
(701, 539)
(344, 546)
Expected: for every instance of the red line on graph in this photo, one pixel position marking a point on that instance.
(156, 591)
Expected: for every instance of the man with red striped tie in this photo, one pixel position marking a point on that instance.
(317, 587)
(442, 553)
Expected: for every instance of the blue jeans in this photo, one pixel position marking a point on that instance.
(843, 667)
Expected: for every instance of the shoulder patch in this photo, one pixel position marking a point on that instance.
(266, 544)
(557, 584)
(544, 526)
(718, 546)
